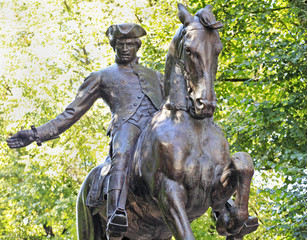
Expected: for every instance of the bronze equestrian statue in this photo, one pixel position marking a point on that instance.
(179, 162)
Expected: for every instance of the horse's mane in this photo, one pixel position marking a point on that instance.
(171, 58)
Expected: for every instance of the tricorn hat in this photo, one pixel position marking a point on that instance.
(125, 30)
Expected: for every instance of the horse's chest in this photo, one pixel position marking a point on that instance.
(198, 169)
(190, 158)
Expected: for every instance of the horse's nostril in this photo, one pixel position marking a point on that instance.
(199, 103)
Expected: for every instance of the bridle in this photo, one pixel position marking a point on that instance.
(179, 66)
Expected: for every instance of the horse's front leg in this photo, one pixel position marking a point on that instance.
(230, 222)
(244, 167)
(172, 201)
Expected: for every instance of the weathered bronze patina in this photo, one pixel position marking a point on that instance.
(166, 167)
(181, 164)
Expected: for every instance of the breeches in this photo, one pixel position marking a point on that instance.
(122, 146)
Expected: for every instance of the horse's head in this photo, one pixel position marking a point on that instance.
(198, 50)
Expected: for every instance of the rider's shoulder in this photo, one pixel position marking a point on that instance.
(108, 72)
(142, 69)
(101, 74)
(93, 77)
(109, 69)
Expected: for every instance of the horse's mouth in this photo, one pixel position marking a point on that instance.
(202, 108)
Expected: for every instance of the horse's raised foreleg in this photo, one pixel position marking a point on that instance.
(244, 167)
(231, 221)
(172, 199)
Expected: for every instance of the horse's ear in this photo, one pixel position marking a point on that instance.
(184, 15)
(209, 7)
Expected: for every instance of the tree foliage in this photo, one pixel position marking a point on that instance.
(47, 49)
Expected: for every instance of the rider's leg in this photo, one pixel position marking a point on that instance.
(123, 142)
(116, 181)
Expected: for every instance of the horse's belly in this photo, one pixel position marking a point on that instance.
(145, 220)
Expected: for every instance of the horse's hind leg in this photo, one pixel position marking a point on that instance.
(230, 222)
(172, 200)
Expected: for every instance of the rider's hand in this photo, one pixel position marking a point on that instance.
(21, 139)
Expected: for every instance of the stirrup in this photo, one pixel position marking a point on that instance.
(118, 222)
(250, 225)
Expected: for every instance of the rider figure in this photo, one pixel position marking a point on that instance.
(132, 92)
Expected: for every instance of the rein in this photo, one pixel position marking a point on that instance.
(179, 68)
(179, 64)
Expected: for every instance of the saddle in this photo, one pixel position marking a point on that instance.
(97, 195)
(98, 189)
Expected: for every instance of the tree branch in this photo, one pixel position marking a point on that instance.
(87, 61)
(7, 88)
(64, 231)
(278, 19)
(48, 230)
(276, 9)
(138, 18)
(67, 6)
(238, 79)
(269, 10)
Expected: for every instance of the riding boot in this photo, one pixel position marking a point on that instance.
(117, 217)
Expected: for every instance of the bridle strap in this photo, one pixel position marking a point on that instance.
(177, 107)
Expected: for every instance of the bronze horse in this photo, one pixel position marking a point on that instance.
(182, 165)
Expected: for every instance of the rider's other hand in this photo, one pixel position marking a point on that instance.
(21, 139)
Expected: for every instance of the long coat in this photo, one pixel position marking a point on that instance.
(120, 87)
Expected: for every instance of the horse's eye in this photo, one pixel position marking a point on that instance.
(188, 51)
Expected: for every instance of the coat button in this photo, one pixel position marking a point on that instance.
(134, 104)
(139, 97)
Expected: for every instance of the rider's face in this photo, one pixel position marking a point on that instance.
(126, 50)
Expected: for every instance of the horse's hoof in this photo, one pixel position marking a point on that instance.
(225, 225)
(249, 226)
(228, 223)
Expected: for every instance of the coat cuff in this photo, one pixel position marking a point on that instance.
(48, 131)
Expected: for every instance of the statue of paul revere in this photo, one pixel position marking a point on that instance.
(133, 93)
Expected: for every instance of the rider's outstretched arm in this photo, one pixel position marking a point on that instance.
(88, 93)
